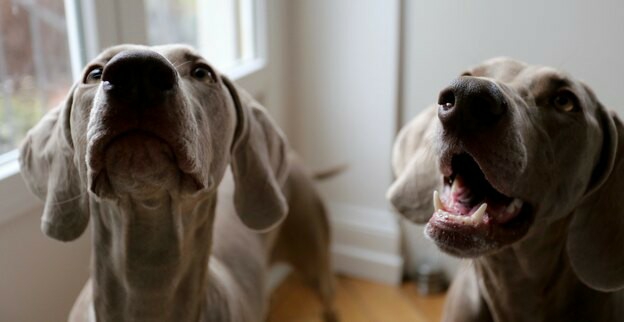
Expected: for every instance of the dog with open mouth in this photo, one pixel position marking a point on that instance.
(519, 168)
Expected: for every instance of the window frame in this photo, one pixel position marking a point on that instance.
(94, 25)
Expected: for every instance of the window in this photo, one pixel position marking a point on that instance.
(170, 21)
(36, 64)
(223, 31)
(45, 43)
(35, 67)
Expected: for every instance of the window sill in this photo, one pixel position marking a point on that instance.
(16, 199)
(246, 69)
(8, 164)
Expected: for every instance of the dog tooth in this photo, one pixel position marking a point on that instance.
(514, 205)
(477, 216)
(510, 208)
(437, 203)
(455, 184)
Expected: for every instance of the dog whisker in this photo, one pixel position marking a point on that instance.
(68, 200)
(176, 65)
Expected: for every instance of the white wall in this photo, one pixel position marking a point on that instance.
(344, 85)
(442, 38)
(343, 80)
(39, 277)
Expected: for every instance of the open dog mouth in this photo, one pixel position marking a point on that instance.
(469, 199)
(470, 215)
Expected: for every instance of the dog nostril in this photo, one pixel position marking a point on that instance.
(446, 99)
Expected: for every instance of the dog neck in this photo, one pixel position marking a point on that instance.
(150, 257)
(525, 283)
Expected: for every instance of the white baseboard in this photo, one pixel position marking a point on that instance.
(366, 243)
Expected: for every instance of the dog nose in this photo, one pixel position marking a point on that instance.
(139, 76)
(471, 104)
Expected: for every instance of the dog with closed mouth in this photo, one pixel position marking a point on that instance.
(190, 188)
(520, 169)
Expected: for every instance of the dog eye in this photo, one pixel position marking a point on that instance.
(564, 101)
(94, 75)
(203, 73)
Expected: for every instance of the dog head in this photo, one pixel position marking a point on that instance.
(509, 147)
(143, 120)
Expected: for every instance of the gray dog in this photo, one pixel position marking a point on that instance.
(143, 147)
(522, 169)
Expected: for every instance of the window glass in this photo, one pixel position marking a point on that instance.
(223, 31)
(35, 67)
(171, 21)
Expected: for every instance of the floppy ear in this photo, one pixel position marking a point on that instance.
(595, 242)
(416, 168)
(259, 164)
(49, 169)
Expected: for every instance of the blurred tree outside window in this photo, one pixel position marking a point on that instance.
(35, 67)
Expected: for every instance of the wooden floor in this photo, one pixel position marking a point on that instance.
(356, 300)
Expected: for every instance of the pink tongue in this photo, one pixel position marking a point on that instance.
(461, 203)
(459, 208)
(460, 197)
